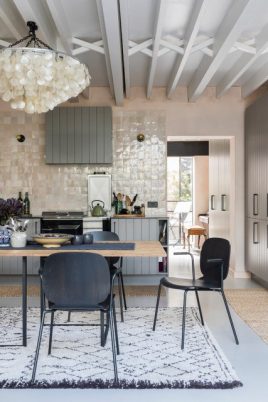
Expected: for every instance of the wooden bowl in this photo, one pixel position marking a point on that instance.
(52, 239)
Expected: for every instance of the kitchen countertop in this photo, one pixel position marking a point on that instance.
(138, 217)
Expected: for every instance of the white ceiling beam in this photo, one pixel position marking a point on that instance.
(256, 80)
(243, 64)
(244, 47)
(124, 34)
(225, 38)
(87, 46)
(108, 13)
(32, 10)
(15, 25)
(156, 44)
(58, 14)
(140, 47)
(190, 36)
(4, 43)
(172, 46)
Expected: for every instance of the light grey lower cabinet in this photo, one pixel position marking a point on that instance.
(13, 265)
(257, 248)
(142, 229)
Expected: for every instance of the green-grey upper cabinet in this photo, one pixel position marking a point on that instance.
(79, 135)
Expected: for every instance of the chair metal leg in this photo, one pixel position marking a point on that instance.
(111, 321)
(69, 316)
(102, 328)
(115, 330)
(123, 290)
(183, 319)
(107, 327)
(157, 305)
(120, 299)
(38, 346)
(51, 332)
(199, 307)
(230, 317)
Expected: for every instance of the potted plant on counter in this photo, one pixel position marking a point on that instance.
(18, 227)
(8, 208)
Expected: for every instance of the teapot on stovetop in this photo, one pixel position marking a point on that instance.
(97, 210)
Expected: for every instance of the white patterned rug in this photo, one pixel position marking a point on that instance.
(147, 359)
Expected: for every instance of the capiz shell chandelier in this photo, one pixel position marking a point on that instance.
(37, 78)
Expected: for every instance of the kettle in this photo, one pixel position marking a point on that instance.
(97, 210)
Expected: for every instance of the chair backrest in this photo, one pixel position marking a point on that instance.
(100, 235)
(76, 279)
(215, 248)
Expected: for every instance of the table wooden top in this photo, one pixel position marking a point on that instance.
(142, 249)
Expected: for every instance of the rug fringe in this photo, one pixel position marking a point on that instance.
(122, 384)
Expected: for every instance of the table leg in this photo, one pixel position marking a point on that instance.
(24, 301)
(188, 241)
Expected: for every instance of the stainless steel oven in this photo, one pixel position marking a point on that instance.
(62, 222)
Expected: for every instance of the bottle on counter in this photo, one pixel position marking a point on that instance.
(26, 204)
(142, 209)
(20, 197)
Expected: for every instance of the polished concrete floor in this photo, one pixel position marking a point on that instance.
(249, 359)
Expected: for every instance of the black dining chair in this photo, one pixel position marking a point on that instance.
(77, 281)
(214, 265)
(114, 269)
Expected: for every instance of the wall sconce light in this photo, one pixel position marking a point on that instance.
(140, 137)
(20, 137)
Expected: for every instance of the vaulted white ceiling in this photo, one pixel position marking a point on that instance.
(152, 43)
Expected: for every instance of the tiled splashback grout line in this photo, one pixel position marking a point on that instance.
(137, 167)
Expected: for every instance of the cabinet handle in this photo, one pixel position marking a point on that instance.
(114, 227)
(223, 202)
(35, 227)
(255, 204)
(255, 233)
(212, 202)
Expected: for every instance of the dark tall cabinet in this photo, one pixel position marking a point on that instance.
(256, 141)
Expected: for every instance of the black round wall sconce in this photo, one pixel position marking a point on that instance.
(140, 137)
(20, 138)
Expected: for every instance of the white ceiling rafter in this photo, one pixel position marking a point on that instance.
(4, 43)
(140, 47)
(85, 46)
(125, 45)
(161, 7)
(243, 63)
(58, 14)
(32, 10)
(190, 36)
(256, 80)
(226, 36)
(108, 13)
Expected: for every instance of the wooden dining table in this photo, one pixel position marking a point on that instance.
(141, 249)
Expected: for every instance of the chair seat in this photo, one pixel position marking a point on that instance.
(188, 284)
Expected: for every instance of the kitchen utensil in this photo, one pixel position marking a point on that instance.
(88, 238)
(134, 200)
(97, 210)
(77, 239)
(52, 239)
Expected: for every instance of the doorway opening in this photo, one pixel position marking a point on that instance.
(179, 195)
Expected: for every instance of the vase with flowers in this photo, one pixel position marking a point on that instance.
(8, 208)
(18, 227)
